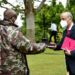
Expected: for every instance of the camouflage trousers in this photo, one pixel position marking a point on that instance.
(25, 72)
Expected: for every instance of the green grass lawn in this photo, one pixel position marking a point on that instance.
(48, 63)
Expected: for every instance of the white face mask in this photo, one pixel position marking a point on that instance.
(16, 22)
(63, 23)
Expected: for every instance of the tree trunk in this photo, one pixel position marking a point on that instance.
(30, 25)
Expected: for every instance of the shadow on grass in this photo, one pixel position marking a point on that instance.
(53, 53)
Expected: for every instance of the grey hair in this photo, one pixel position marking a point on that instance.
(68, 14)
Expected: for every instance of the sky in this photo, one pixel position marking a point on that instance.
(48, 2)
(36, 4)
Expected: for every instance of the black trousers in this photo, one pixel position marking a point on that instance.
(68, 67)
(53, 34)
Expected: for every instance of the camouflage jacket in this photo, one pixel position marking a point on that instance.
(12, 45)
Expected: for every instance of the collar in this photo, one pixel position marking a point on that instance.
(71, 26)
(7, 23)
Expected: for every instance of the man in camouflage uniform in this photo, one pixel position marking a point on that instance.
(14, 47)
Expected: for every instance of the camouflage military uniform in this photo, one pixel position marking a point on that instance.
(12, 45)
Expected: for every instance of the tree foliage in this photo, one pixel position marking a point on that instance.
(43, 15)
(51, 12)
(71, 7)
